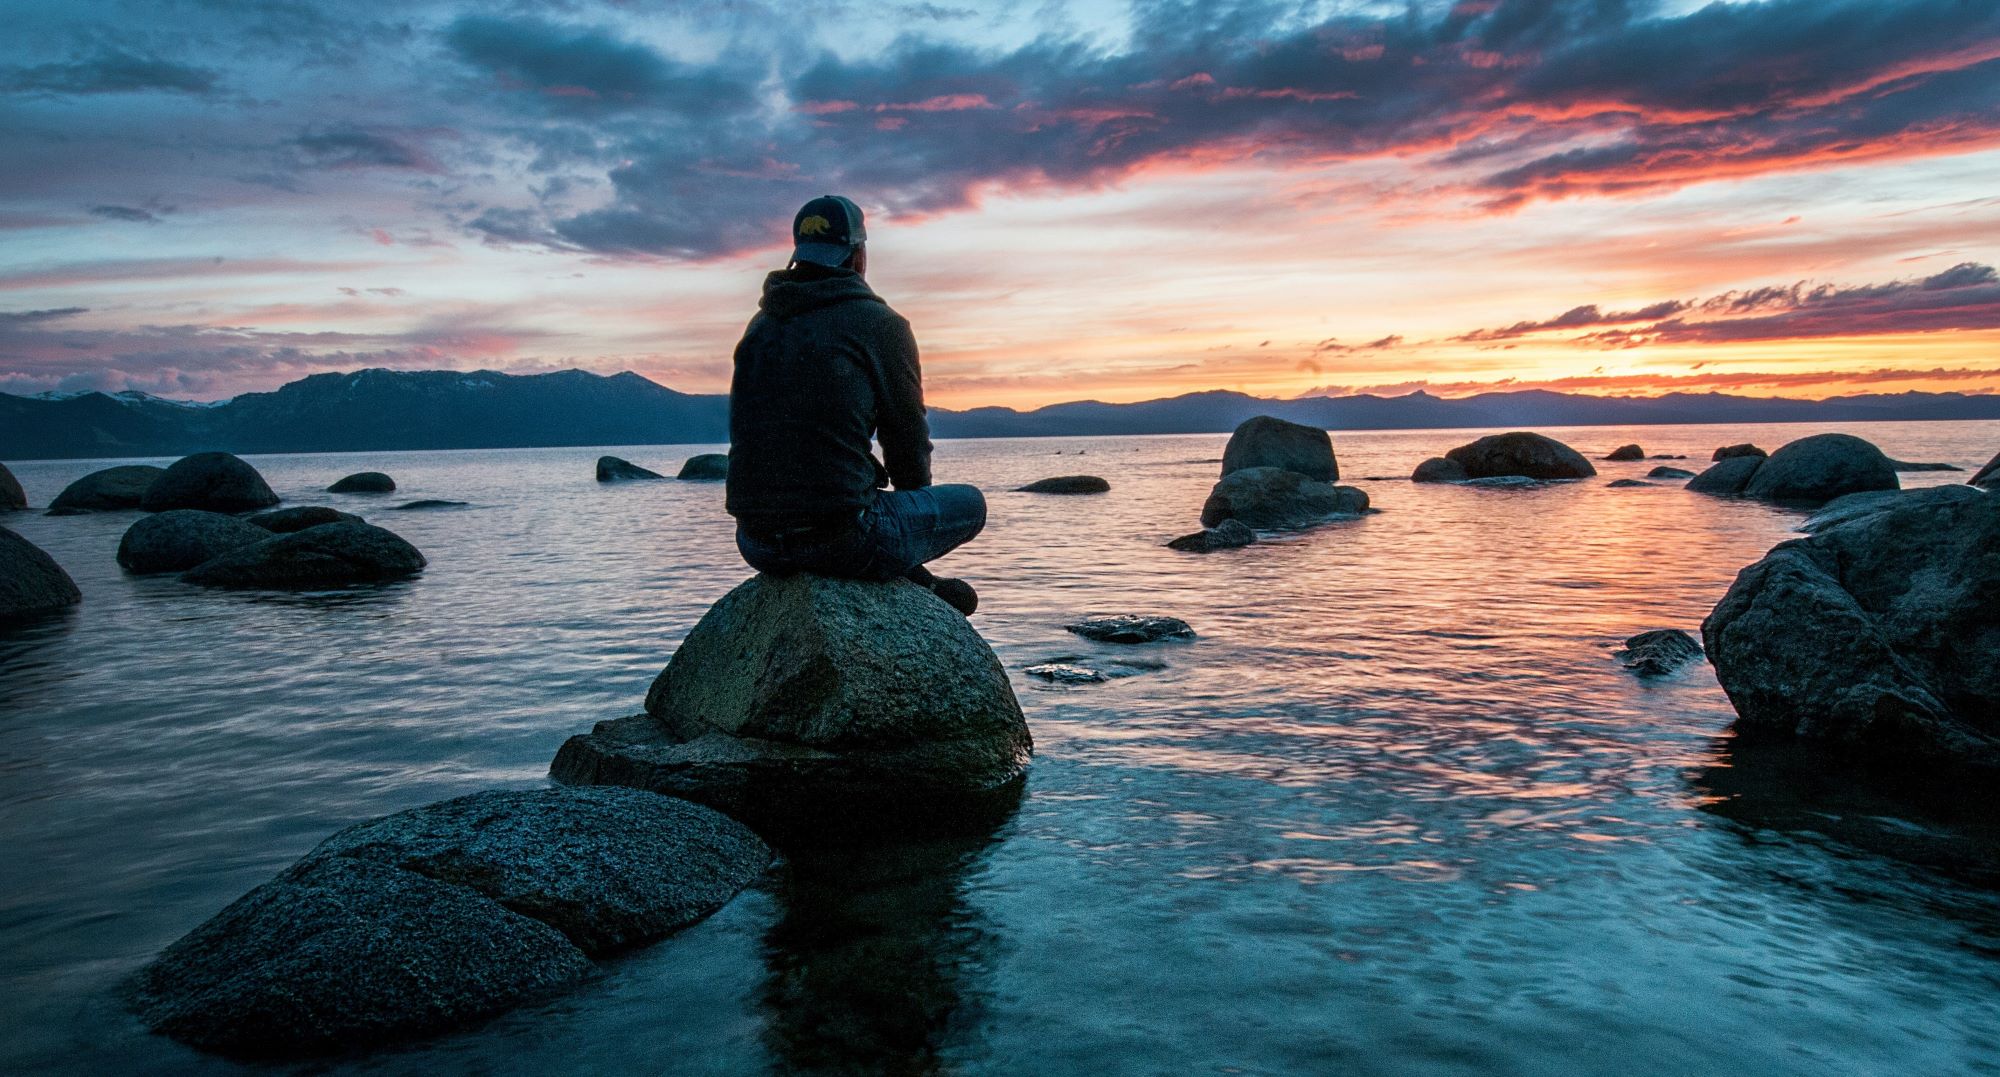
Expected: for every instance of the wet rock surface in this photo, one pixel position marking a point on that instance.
(614, 469)
(180, 539)
(1067, 484)
(1621, 483)
(1626, 452)
(109, 490)
(1439, 469)
(1730, 452)
(329, 555)
(1521, 453)
(1728, 477)
(214, 481)
(31, 583)
(427, 504)
(1264, 441)
(1659, 652)
(1669, 473)
(300, 517)
(707, 467)
(1227, 535)
(1269, 497)
(1817, 469)
(364, 482)
(1131, 628)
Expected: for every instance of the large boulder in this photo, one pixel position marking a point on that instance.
(1987, 477)
(215, 481)
(1067, 484)
(113, 488)
(706, 467)
(808, 703)
(440, 916)
(300, 517)
(1270, 497)
(1439, 469)
(613, 469)
(1876, 635)
(1267, 442)
(31, 583)
(179, 539)
(1731, 452)
(364, 482)
(1726, 477)
(11, 494)
(1626, 452)
(1521, 453)
(325, 556)
(1817, 469)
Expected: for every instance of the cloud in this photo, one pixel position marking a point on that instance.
(1658, 384)
(350, 149)
(125, 213)
(110, 72)
(1964, 297)
(590, 69)
(10, 319)
(1576, 318)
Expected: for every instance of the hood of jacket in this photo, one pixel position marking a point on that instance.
(789, 293)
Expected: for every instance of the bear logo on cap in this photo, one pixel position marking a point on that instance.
(814, 226)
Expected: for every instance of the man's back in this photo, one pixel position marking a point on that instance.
(823, 366)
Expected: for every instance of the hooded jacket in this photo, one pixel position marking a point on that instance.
(824, 367)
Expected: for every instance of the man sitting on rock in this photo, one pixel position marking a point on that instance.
(825, 367)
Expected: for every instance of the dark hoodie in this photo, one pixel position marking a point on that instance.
(824, 367)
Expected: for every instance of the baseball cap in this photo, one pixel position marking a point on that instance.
(826, 230)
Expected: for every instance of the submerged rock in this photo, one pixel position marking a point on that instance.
(1270, 497)
(31, 583)
(801, 704)
(1503, 482)
(329, 555)
(180, 539)
(1521, 453)
(1820, 468)
(1659, 652)
(364, 482)
(11, 494)
(613, 469)
(1669, 473)
(113, 488)
(1875, 635)
(1617, 483)
(1066, 673)
(215, 481)
(1731, 452)
(1905, 465)
(1439, 469)
(1989, 476)
(298, 518)
(1626, 452)
(1264, 441)
(440, 916)
(427, 503)
(1728, 477)
(1067, 484)
(1131, 628)
(707, 467)
(1227, 535)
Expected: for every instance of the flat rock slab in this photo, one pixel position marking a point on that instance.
(706, 467)
(329, 555)
(215, 481)
(1131, 628)
(1854, 506)
(31, 583)
(1659, 652)
(180, 539)
(1067, 484)
(440, 916)
(298, 518)
(109, 490)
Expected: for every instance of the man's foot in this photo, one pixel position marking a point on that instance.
(957, 594)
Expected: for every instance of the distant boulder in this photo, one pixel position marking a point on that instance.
(1875, 635)
(1267, 442)
(706, 467)
(1067, 484)
(1817, 469)
(179, 539)
(1131, 628)
(1521, 453)
(1439, 469)
(1626, 452)
(300, 517)
(11, 494)
(1669, 473)
(364, 482)
(1270, 497)
(1730, 452)
(214, 481)
(329, 555)
(1622, 483)
(427, 503)
(1227, 535)
(111, 489)
(1728, 476)
(803, 704)
(31, 583)
(1659, 652)
(1987, 477)
(612, 469)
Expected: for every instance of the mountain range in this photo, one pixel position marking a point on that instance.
(375, 410)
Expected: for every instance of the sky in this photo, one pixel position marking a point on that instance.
(1113, 201)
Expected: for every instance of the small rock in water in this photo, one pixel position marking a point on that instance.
(364, 482)
(1064, 673)
(613, 469)
(1503, 482)
(1728, 476)
(1279, 499)
(1730, 452)
(1659, 652)
(1626, 452)
(1067, 484)
(300, 517)
(1227, 535)
(215, 481)
(108, 490)
(31, 583)
(1905, 465)
(706, 467)
(1667, 456)
(11, 494)
(1131, 628)
(180, 539)
(1669, 473)
(1627, 482)
(325, 556)
(1535, 456)
(427, 503)
(1817, 469)
(1439, 469)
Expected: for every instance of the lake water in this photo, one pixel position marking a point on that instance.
(1396, 810)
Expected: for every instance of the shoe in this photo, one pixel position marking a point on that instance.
(957, 594)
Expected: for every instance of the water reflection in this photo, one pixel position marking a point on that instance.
(878, 957)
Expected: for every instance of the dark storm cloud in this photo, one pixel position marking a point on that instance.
(590, 69)
(110, 72)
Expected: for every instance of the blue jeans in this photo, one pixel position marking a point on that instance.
(894, 537)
